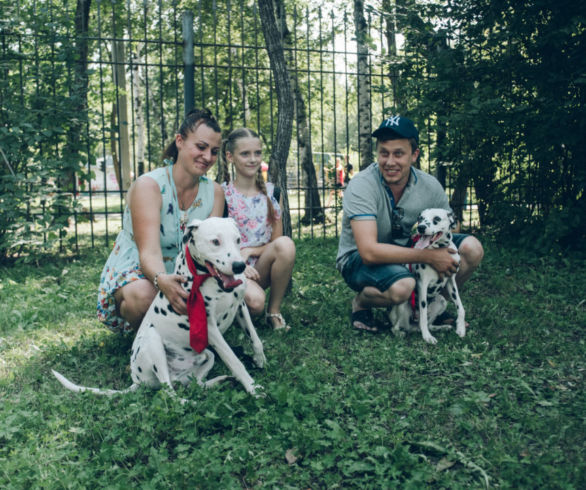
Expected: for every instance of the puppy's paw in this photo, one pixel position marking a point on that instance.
(430, 339)
(461, 330)
(397, 332)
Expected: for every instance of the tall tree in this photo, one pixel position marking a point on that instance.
(363, 77)
(282, 141)
(313, 209)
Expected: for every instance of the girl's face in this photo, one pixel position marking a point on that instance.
(198, 151)
(247, 156)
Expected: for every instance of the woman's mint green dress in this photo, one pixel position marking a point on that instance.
(123, 264)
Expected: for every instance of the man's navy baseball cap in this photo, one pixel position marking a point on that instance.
(397, 125)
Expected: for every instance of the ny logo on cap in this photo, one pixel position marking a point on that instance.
(392, 121)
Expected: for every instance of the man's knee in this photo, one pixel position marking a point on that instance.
(472, 251)
(400, 291)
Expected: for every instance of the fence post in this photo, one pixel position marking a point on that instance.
(188, 63)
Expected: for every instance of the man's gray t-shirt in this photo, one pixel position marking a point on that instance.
(367, 197)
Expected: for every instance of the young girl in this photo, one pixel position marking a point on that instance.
(269, 255)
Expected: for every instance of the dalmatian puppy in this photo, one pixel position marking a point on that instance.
(432, 230)
(162, 353)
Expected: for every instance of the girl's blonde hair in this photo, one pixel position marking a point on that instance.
(229, 145)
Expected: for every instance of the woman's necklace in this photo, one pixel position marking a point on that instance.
(181, 216)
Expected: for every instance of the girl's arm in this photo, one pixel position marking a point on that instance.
(278, 224)
(219, 200)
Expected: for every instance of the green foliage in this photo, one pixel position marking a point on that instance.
(38, 111)
(502, 407)
(504, 83)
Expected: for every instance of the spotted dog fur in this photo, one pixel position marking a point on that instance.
(161, 353)
(432, 230)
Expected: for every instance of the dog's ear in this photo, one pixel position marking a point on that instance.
(453, 220)
(190, 228)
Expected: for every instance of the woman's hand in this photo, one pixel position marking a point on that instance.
(171, 285)
(251, 273)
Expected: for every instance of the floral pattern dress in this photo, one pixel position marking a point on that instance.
(123, 265)
(250, 214)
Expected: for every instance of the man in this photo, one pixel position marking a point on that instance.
(381, 204)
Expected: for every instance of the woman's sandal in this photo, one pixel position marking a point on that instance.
(364, 318)
(282, 324)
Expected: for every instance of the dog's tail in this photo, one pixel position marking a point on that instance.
(78, 389)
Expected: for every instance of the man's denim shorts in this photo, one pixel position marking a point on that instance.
(381, 276)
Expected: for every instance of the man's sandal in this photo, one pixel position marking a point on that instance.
(364, 318)
(280, 324)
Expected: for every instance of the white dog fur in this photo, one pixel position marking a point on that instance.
(432, 230)
(161, 353)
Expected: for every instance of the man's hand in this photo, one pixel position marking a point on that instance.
(442, 260)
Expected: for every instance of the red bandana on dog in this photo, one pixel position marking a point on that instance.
(196, 312)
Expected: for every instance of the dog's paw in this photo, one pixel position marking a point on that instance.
(257, 391)
(461, 330)
(430, 339)
(260, 359)
(397, 332)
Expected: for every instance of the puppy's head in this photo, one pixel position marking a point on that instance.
(214, 245)
(433, 228)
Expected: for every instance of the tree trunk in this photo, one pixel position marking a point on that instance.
(138, 109)
(282, 140)
(313, 211)
(399, 105)
(79, 90)
(119, 61)
(364, 111)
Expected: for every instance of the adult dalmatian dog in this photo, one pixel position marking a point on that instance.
(170, 347)
(431, 230)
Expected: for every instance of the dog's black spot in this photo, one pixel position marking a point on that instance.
(449, 235)
(139, 369)
(225, 316)
(416, 266)
(183, 326)
(423, 304)
(208, 298)
(235, 294)
(436, 220)
(206, 304)
(152, 325)
(170, 308)
(161, 295)
(453, 295)
(423, 266)
(220, 291)
(187, 349)
(417, 275)
(240, 312)
(155, 368)
(157, 310)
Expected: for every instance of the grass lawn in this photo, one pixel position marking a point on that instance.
(503, 407)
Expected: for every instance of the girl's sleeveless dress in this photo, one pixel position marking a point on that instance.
(250, 214)
(123, 264)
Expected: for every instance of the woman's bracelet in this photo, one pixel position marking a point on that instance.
(156, 280)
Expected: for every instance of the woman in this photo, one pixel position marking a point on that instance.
(159, 204)
(252, 203)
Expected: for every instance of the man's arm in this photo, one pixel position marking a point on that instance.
(373, 252)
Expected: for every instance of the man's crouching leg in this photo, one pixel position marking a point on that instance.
(371, 297)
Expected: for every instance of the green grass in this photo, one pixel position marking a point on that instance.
(503, 407)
